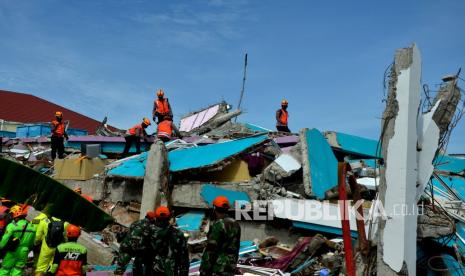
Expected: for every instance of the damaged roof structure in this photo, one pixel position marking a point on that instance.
(292, 193)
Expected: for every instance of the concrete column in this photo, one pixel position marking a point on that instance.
(156, 177)
(397, 235)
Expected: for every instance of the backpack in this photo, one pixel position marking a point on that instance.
(55, 233)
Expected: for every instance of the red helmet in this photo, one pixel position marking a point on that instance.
(221, 202)
(73, 231)
(162, 212)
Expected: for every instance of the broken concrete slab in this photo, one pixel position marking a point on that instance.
(191, 221)
(397, 234)
(318, 162)
(354, 145)
(210, 192)
(192, 158)
(156, 178)
(189, 195)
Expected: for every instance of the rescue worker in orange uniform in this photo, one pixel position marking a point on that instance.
(58, 136)
(166, 129)
(161, 107)
(282, 117)
(134, 134)
(71, 257)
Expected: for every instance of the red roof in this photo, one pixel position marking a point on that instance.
(25, 108)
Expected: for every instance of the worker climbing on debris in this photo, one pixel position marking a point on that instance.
(49, 234)
(134, 134)
(161, 107)
(136, 244)
(71, 257)
(58, 136)
(282, 117)
(166, 129)
(86, 196)
(170, 246)
(17, 241)
(224, 236)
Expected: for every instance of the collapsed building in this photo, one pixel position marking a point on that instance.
(284, 187)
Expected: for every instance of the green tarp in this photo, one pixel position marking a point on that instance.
(24, 185)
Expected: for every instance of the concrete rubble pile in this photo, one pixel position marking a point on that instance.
(285, 186)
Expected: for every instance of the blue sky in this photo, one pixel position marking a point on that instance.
(107, 58)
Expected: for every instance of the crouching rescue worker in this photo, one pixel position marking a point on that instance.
(70, 257)
(17, 241)
(222, 251)
(58, 136)
(137, 244)
(282, 117)
(161, 107)
(166, 129)
(170, 246)
(134, 134)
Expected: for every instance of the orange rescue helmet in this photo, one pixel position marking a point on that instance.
(221, 202)
(162, 212)
(151, 215)
(284, 102)
(78, 190)
(160, 93)
(59, 114)
(73, 231)
(146, 121)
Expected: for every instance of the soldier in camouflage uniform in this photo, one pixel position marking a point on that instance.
(137, 244)
(222, 251)
(170, 246)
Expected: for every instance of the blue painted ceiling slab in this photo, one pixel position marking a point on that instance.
(450, 164)
(256, 128)
(457, 184)
(358, 145)
(191, 221)
(323, 163)
(134, 167)
(210, 192)
(204, 156)
(191, 158)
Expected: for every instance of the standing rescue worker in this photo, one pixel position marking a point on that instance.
(224, 236)
(137, 244)
(58, 136)
(17, 252)
(49, 234)
(282, 117)
(170, 246)
(161, 107)
(71, 257)
(134, 134)
(166, 129)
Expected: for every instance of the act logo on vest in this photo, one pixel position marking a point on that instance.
(72, 256)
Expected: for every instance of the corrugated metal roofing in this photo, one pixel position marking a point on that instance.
(25, 108)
